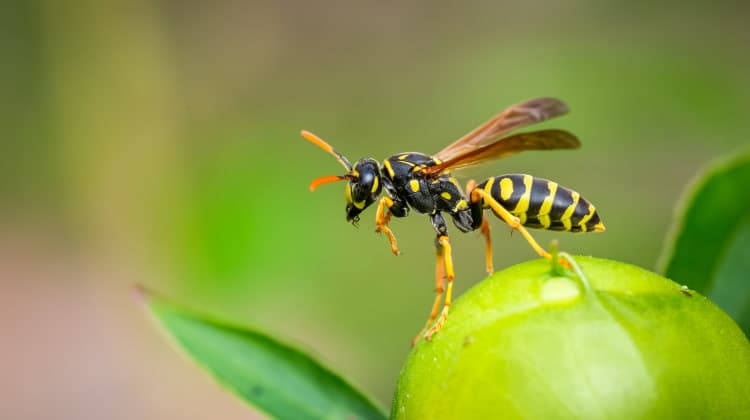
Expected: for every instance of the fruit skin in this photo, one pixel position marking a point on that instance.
(528, 343)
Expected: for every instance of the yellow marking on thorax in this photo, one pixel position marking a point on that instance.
(565, 218)
(404, 156)
(446, 195)
(389, 168)
(506, 188)
(375, 184)
(414, 185)
(546, 207)
(523, 202)
(462, 204)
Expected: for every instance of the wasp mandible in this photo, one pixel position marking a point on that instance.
(424, 183)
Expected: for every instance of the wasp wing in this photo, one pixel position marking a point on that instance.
(534, 140)
(515, 117)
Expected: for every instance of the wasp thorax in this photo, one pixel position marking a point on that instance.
(363, 188)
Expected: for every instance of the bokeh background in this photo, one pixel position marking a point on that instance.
(156, 142)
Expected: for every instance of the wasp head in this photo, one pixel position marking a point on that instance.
(363, 186)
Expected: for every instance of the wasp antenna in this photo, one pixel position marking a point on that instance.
(312, 138)
(326, 180)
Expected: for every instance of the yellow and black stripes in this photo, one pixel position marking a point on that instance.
(543, 204)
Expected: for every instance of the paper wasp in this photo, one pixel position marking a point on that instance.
(424, 183)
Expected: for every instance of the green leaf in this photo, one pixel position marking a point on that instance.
(274, 377)
(709, 247)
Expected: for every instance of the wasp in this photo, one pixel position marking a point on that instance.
(424, 183)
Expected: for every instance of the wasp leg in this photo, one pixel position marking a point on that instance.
(439, 289)
(382, 217)
(508, 218)
(484, 228)
(444, 248)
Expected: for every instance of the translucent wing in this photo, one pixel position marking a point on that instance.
(534, 140)
(515, 117)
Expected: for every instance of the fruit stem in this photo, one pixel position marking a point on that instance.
(576, 269)
(563, 271)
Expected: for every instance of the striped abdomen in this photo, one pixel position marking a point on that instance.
(543, 204)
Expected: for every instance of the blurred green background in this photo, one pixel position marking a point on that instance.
(156, 142)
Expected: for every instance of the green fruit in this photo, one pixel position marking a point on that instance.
(538, 342)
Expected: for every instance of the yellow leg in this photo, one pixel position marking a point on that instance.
(445, 245)
(508, 218)
(382, 217)
(439, 289)
(485, 229)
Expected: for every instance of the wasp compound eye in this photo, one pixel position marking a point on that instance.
(366, 185)
(363, 188)
(354, 203)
